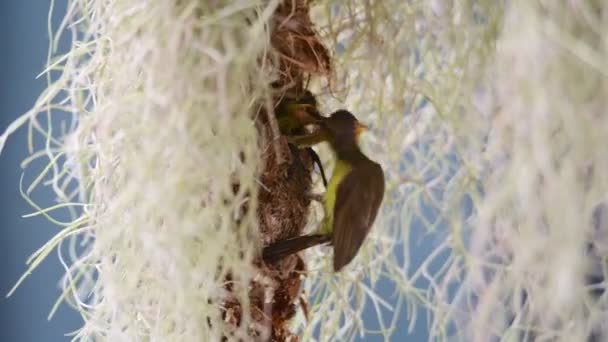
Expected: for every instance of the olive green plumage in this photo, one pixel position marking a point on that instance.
(293, 114)
(354, 193)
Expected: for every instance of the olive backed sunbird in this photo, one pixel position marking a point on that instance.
(293, 114)
(353, 195)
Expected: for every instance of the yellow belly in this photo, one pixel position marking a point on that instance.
(341, 169)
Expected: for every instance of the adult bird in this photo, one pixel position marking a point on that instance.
(293, 115)
(353, 195)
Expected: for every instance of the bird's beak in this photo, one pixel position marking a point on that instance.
(360, 128)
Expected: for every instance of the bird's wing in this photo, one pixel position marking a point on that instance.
(358, 198)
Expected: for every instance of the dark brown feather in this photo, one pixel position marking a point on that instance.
(357, 202)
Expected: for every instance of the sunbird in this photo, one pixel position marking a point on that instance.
(353, 195)
(293, 115)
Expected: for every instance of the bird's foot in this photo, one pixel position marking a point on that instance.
(316, 160)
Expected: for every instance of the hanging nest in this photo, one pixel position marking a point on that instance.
(285, 179)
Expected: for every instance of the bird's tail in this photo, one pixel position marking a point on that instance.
(281, 249)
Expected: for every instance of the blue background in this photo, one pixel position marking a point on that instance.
(24, 42)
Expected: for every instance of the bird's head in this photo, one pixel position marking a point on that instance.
(344, 125)
(304, 108)
(307, 98)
